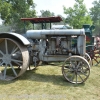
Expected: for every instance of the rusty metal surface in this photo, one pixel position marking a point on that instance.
(76, 69)
(43, 19)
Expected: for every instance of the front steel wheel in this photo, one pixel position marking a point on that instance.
(76, 69)
(14, 59)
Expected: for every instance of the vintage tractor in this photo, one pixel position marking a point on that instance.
(18, 52)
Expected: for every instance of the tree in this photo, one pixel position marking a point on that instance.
(12, 10)
(44, 13)
(77, 15)
(95, 15)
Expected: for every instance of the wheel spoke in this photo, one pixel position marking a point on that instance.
(19, 64)
(1, 63)
(1, 52)
(18, 61)
(83, 65)
(5, 70)
(67, 72)
(13, 70)
(80, 76)
(6, 46)
(67, 67)
(76, 77)
(18, 52)
(72, 64)
(78, 64)
(14, 50)
(72, 78)
(96, 60)
(84, 73)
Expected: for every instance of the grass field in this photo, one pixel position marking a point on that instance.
(47, 83)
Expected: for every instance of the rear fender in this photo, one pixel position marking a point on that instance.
(17, 37)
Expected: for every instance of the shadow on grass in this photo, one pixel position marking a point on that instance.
(52, 63)
(4, 82)
(55, 79)
(32, 75)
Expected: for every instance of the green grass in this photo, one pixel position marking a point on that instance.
(47, 83)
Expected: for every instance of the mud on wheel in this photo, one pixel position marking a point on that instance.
(76, 69)
(14, 59)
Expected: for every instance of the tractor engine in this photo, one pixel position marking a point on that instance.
(54, 45)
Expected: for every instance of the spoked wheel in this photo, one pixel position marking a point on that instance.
(14, 59)
(94, 54)
(76, 69)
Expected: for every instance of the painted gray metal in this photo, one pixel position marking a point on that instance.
(54, 58)
(81, 44)
(46, 46)
(41, 34)
(15, 54)
(19, 36)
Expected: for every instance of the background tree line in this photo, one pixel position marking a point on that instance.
(12, 10)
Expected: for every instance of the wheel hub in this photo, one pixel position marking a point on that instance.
(75, 69)
(6, 58)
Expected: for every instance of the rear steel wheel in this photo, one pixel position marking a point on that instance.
(14, 59)
(76, 69)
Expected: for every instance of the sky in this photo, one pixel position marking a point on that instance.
(56, 6)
